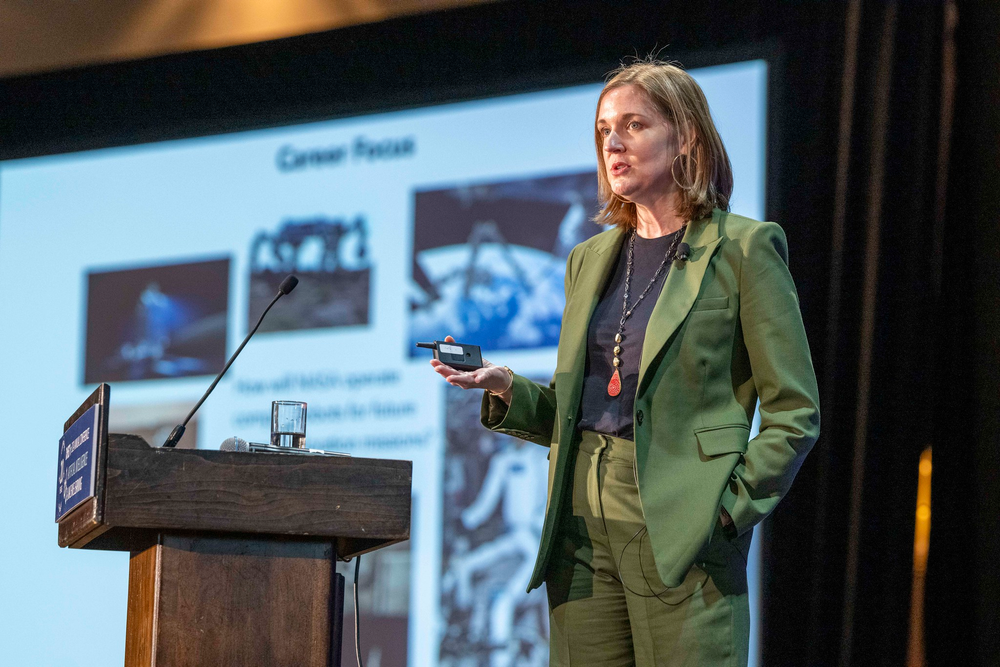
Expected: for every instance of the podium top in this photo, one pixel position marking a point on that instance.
(362, 504)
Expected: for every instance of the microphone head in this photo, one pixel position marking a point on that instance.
(234, 444)
(683, 250)
(288, 284)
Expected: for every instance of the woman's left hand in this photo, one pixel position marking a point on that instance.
(490, 377)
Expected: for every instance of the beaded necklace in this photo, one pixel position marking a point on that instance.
(615, 385)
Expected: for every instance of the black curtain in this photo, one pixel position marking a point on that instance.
(883, 132)
(906, 344)
(850, 531)
(963, 579)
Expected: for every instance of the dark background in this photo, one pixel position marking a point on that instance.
(884, 126)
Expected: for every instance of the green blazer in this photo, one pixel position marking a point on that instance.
(725, 331)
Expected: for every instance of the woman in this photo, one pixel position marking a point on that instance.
(677, 320)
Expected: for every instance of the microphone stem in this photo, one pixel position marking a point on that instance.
(219, 376)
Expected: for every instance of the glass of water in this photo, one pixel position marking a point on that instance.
(288, 424)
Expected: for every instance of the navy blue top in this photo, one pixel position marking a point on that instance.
(600, 412)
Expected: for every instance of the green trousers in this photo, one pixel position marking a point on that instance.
(607, 605)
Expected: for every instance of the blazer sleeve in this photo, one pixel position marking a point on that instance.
(531, 414)
(783, 374)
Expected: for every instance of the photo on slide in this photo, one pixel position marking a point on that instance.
(494, 507)
(329, 255)
(156, 322)
(489, 259)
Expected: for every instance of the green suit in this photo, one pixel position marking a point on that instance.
(725, 331)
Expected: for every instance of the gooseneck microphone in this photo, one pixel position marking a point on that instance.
(683, 251)
(286, 286)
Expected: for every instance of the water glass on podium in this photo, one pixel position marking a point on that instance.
(288, 424)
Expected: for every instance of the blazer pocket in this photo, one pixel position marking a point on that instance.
(711, 303)
(719, 440)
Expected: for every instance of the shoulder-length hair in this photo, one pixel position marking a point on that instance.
(704, 175)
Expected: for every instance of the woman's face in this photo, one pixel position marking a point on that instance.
(639, 146)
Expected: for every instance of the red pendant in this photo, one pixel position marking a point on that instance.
(615, 386)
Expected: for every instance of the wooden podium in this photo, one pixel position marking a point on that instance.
(232, 555)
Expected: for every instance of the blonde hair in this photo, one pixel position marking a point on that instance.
(677, 96)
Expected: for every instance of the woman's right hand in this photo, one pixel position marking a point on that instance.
(492, 378)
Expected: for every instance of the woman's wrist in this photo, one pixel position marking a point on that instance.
(505, 393)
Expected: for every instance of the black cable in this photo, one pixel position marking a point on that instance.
(357, 614)
(643, 532)
(642, 571)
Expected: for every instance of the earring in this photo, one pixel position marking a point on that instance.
(685, 168)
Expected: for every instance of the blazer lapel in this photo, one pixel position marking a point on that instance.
(586, 291)
(680, 289)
